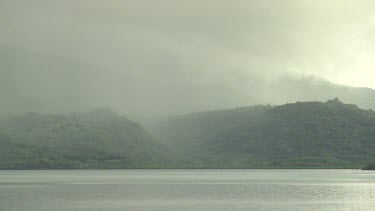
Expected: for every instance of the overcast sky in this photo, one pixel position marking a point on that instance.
(177, 41)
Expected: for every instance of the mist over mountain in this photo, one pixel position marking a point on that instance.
(152, 59)
(37, 82)
(187, 105)
(293, 89)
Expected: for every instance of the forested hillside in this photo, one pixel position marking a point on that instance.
(99, 139)
(300, 135)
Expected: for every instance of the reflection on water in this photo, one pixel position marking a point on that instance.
(167, 190)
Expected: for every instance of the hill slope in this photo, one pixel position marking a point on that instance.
(100, 139)
(300, 135)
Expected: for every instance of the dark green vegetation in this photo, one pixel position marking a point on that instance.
(370, 166)
(300, 135)
(100, 139)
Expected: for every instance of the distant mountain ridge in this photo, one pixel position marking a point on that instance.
(44, 83)
(292, 89)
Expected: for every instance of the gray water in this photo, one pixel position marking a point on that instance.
(180, 190)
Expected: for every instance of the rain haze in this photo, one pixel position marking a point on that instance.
(199, 105)
(149, 59)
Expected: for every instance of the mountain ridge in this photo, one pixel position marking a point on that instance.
(314, 134)
(297, 135)
(99, 139)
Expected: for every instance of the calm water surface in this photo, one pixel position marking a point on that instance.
(180, 190)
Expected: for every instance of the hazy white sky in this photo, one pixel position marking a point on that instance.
(333, 39)
(179, 56)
